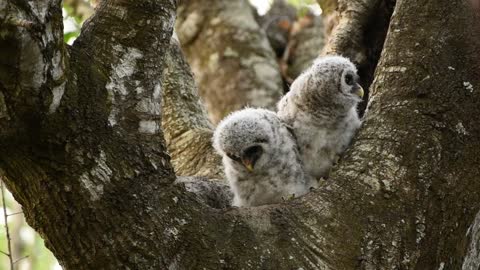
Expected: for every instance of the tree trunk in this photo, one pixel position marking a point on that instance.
(82, 150)
(81, 144)
(414, 169)
(230, 56)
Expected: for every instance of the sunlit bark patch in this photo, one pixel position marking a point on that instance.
(121, 73)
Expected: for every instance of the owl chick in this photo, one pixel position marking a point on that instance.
(260, 157)
(321, 110)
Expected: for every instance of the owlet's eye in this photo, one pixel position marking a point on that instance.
(349, 79)
(254, 151)
(233, 157)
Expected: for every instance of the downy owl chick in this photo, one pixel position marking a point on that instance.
(321, 108)
(260, 157)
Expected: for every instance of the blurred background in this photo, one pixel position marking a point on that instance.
(282, 21)
(28, 248)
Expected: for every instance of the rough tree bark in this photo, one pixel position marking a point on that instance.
(83, 152)
(230, 56)
(415, 155)
(185, 124)
(78, 132)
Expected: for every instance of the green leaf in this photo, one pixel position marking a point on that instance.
(70, 35)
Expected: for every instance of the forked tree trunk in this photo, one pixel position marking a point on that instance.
(82, 150)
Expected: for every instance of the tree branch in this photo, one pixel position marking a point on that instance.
(187, 129)
(126, 75)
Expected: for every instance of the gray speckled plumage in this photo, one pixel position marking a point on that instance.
(321, 110)
(277, 173)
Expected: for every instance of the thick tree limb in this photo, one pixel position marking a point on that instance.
(76, 156)
(230, 56)
(408, 167)
(187, 129)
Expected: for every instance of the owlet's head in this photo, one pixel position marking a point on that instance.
(331, 80)
(247, 138)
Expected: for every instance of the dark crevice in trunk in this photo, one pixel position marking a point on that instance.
(374, 38)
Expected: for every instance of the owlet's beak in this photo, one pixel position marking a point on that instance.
(359, 92)
(248, 164)
(250, 156)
